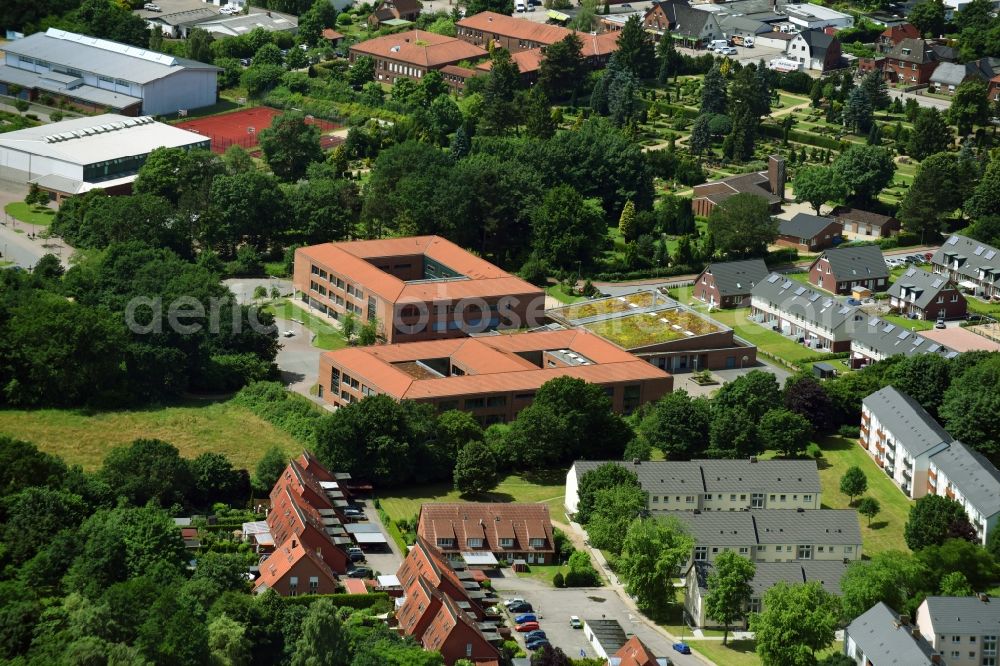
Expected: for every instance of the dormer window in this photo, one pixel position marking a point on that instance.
(906, 51)
(536, 543)
(445, 542)
(506, 543)
(475, 543)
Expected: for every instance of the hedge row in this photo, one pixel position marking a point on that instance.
(807, 138)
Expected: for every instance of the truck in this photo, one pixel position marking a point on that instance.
(740, 40)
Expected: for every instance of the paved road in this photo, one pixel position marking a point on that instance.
(922, 100)
(23, 243)
(388, 562)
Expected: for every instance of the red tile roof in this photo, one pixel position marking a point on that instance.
(283, 560)
(417, 47)
(331, 34)
(508, 26)
(462, 521)
(635, 653)
(527, 61)
(443, 624)
(898, 33)
(355, 586)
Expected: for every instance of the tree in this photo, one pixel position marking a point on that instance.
(34, 516)
(608, 475)
(786, 431)
(500, 112)
(974, 562)
(869, 506)
(475, 469)
(248, 207)
(549, 656)
(923, 377)
(614, 510)
(733, 433)
(969, 106)
(930, 134)
(933, 519)
(954, 584)
(983, 202)
(148, 470)
(290, 145)
(873, 85)
(498, 6)
(567, 229)
(269, 54)
(817, 185)
(859, 112)
(455, 429)
(538, 123)
(622, 88)
(228, 642)
(635, 51)
(626, 222)
(936, 191)
(864, 170)
(929, 17)
(749, 99)
(269, 469)
(796, 622)
(713, 92)
(757, 392)
(677, 425)
(670, 60)
(324, 641)
(742, 226)
(853, 483)
(361, 72)
(368, 333)
(652, 550)
(806, 396)
(729, 589)
(199, 46)
(891, 577)
(970, 407)
(700, 140)
(562, 68)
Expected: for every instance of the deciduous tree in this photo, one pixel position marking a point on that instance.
(930, 134)
(677, 425)
(608, 475)
(652, 550)
(933, 519)
(969, 106)
(567, 229)
(865, 171)
(853, 483)
(785, 431)
(742, 226)
(970, 407)
(290, 145)
(869, 507)
(729, 589)
(891, 577)
(475, 469)
(817, 185)
(797, 622)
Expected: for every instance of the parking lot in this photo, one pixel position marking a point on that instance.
(555, 606)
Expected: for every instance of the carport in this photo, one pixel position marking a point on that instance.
(367, 535)
(480, 560)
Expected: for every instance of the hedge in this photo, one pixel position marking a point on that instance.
(355, 601)
(807, 138)
(618, 276)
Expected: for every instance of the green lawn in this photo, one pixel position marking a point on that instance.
(683, 294)
(327, 336)
(908, 324)
(977, 306)
(765, 339)
(547, 487)
(886, 532)
(40, 215)
(558, 292)
(83, 438)
(741, 653)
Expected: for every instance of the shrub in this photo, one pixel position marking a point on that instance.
(813, 451)
(849, 431)
(558, 580)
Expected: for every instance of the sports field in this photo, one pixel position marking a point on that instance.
(240, 128)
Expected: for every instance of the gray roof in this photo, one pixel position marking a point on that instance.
(804, 225)
(964, 615)
(924, 284)
(70, 86)
(973, 475)
(885, 641)
(818, 42)
(185, 17)
(913, 51)
(890, 339)
(666, 477)
(953, 73)
(733, 278)
(241, 24)
(858, 215)
(773, 526)
(730, 23)
(102, 56)
(609, 633)
(972, 254)
(856, 263)
(813, 305)
(769, 574)
(909, 423)
(684, 20)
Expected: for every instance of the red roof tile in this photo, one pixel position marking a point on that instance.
(417, 47)
(635, 653)
(501, 24)
(473, 520)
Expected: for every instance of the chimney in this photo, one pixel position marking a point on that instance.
(636, 461)
(295, 544)
(776, 176)
(753, 459)
(985, 598)
(935, 658)
(915, 631)
(904, 619)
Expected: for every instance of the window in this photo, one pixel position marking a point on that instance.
(690, 499)
(807, 498)
(757, 501)
(744, 550)
(743, 498)
(506, 542)
(782, 498)
(956, 639)
(335, 379)
(656, 499)
(700, 553)
(313, 584)
(445, 542)
(804, 553)
(474, 403)
(708, 497)
(475, 543)
(631, 397)
(536, 542)
(754, 605)
(293, 586)
(772, 498)
(497, 401)
(732, 498)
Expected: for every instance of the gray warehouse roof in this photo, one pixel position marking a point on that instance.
(909, 423)
(973, 475)
(964, 615)
(813, 305)
(101, 56)
(890, 339)
(773, 526)
(857, 263)
(665, 477)
(733, 278)
(885, 641)
(925, 285)
(973, 256)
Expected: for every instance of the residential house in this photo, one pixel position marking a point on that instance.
(973, 265)
(878, 340)
(426, 562)
(815, 50)
(692, 28)
(842, 270)
(659, 330)
(865, 225)
(930, 296)
(803, 312)
(394, 12)
(635, 653)
(439, 623)
(966, 476)
(963, 630)
(416, 288)
(775, 535)
(727, 284)
(413, 53)
(743, 27)
(767, 575)
(993, 93)
(605, 636)
(911, 61)
(714, 485)
(943, 51)
(882, 637)
(809, 233)
(809, 16)
(769, 185)
(491, 376)
(293, 569)
(899, 434)
(489, 30)
(508, 531)
(948, 76)
(894, 35)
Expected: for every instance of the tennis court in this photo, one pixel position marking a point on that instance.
(240, 128)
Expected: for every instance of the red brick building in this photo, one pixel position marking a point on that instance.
(294, 569)
(728, 284)
(770, 185)
(929, 296)
(388, 10)
(808, 233)
(894, 35)
(911, 61)
(993, 93)
(413, 53)
(507, 32)
(508, 531)
(841, 270)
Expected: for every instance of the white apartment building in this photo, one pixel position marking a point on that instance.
(963, 630)
(971, 480)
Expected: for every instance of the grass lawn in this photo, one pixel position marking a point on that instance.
(766, 339)
(5, 264)
(83, 438)
(22, 212)
(558, 292)
(886, 532)
(548, 488)
(326, 335)
(908, 324)
(741, 653)
(799, 277)
(683, 294)
(977, 306)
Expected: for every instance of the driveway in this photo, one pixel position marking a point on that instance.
(922, 100)
(387, 562)
(298, 360)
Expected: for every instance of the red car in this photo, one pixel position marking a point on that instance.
(527, 626)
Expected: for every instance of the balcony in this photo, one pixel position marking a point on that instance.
(949, 493)
(907, 473)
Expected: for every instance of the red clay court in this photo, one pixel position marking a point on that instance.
(240, 128)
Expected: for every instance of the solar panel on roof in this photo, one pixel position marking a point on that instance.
(773, 278)
(979, 250)
(937, 283)
(889, 328)
(953, 240)
(911, 272)
(787, 284)
(813, 297)
(990, 254)
(828, 302)
(933, 348)
(800, 291)
(917, 341)
(843, 310)
(902, 335)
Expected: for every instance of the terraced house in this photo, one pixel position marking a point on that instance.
(878, 340)
(974, 266)
(714, 485)
(728, 284)
(931, 296)
(476, 532)
(842, 270)
(805, 313)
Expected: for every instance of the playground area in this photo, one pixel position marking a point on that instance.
(241, 128)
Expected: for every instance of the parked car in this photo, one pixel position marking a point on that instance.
(511, 602)
(356, 554)
(359, 572)
(525, 617)
(683, 648)
(526, 627)
(150, 7)
(727, 51)
(939, 324)
(574, 621)
(522, 607)
(853, 301)
(532, 635)
(538, 645)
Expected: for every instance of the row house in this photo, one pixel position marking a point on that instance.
(878, 340)
(882, 637)
(929, 296)
(507, 531)
(974, 266)
(776, 535)
(842, 270)
(713, 485)
(727, 284)
(805, 313)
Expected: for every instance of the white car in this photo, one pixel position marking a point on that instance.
(727, 51)
(150, 7)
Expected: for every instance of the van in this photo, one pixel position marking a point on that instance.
(717, 44)
(520, 6)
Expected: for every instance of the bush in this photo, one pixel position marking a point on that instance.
(813, 451)
(21, 105)
(785, 255)
(849, 431)
(558, 580)
(807, 138)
